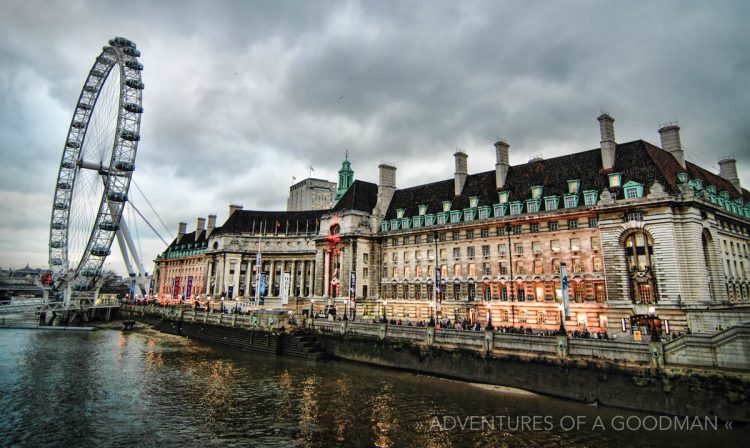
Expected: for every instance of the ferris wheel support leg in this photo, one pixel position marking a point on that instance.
(141, 274)
(124, 251)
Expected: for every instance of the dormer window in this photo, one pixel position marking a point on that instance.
(503, 196)
(573, 186)
(724, 195)
(399, 213)
(697, 184)
(405, 223)
(532, 206)
(615, 180)
(551, 203)
(516, 207)
(711, 189)
(589, 197)
(484, 212)
(536, 192)
(633, 190)
(442, 218)
(446, 206)
(570, 201)
(429, 220)
(417, 221)
(422, 210)
(469, 214)
(682, 177)
(499, 210)
(395, 224)
(473, 201)
(384, 226)
(455, 216)
(740, 201)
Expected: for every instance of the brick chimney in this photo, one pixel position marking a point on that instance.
(728, 171)
(181, 229)
(670, 142)
(607, 131)
(462, 171)
(211, 225)
(502, 163)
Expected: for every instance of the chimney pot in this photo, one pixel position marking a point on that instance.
(181, 229)
(210, 225)
(233, 208)
(200, 224)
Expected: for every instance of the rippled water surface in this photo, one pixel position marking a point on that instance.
(107, 388)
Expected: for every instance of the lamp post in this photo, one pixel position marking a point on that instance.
(561, 331)
(385, 317)
(222, 304)
(489, 317)
(510, 261)
(312, 303)
(436, 285)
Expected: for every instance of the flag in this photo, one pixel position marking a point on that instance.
(311, 168)
(294, 179)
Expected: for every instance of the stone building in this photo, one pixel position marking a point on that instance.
(179, 272)
(311, 194)
(638, 230)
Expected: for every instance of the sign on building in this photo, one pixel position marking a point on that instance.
(564, 282)
(286, 285)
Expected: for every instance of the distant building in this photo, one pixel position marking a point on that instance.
(20, 283)
(179, 270)
(311, 194)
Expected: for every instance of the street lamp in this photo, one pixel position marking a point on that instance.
(312, 303)
(489, 317)
(510, 261)
(222, 304)
(436, 283)
(561, 331)
(385, 318)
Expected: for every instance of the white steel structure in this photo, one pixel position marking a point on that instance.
(95, 172)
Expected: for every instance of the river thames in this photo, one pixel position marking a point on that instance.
(107, 388)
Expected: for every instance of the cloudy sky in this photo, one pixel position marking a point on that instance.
(241, 96)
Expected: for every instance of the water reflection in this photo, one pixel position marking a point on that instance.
(110, 389)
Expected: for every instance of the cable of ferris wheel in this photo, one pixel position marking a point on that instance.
(146, 220)
(152, 209)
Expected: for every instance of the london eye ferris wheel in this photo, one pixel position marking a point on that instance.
(95, 172)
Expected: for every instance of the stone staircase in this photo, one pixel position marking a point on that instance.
(303, 344)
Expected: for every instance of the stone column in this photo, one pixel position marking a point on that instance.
(271, 275)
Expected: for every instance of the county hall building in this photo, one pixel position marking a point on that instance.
(640, 231)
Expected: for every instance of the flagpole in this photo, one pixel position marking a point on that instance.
(258, 266)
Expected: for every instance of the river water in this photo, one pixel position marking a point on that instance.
(107, 388)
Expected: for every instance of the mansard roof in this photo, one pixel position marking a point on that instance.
(637, 161)
(194, 237)
(247, 221)
(361, 196)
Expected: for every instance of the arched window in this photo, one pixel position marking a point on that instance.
(638, 251)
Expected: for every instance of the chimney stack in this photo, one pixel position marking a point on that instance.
(502, 164)
(670, 142)
(728, 171)
(386, 188)
(607, 131)
(211, 225)
(199, 226)
(181, 229)
(233, 208)
(462, 171)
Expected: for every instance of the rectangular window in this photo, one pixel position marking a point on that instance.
(470, 252)
(407, 257)
(552, 226)
(500, 231)
(395, 257)
(536, 247)
(407, 272)
(407, 240)
(457, 270)
(418, 255)
(534, 228)
(456, 235)
(555, 265)
(554, 245)
(486, 251)
(485, 233)
(520, 268)
(365, 258)
(517, 229)
(577, 266)
(442, 218)
(365, 273)
(570, 201)
(502, 250)
(518, 248)
(457, 253)
(443, 254)
(503, 268)
(515, 208)
(486, 269)
(595, 243)
(430, 255)
(442, 237)
(572, 224)
(538, 267)
(575, 244)
(469, 234)
(550, 203)
(593, 222)
(472, 270)
(532, 206)
(597, 264)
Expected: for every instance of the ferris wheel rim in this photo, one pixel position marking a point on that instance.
(119, 58)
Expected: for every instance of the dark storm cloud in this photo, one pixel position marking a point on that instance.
(241, 96)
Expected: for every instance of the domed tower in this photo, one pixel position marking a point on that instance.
(346, 177)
